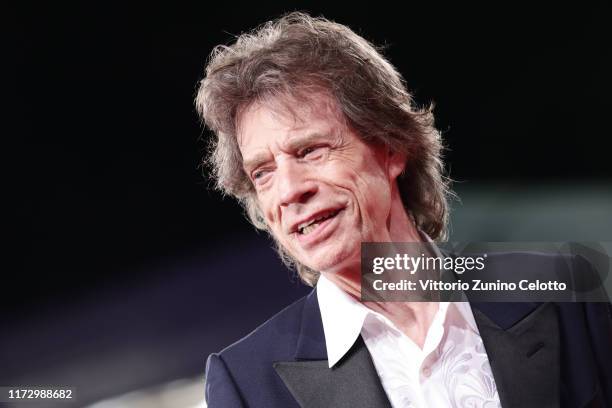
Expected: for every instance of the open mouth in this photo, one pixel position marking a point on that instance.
(309, 226)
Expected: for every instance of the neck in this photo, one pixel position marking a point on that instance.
(412, 318)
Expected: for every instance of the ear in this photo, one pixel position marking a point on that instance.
(396, 162)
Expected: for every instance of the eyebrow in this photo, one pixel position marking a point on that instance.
(255, 161)
(298, 142)
(294, 144)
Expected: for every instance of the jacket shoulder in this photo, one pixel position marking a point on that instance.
(244, 370)
(275, 339)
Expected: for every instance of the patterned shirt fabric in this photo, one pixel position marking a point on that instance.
(451, 370)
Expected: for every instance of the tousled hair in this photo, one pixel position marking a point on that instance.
(296, 56)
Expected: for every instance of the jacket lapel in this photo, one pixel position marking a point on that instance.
(352, 382)
(522, 343)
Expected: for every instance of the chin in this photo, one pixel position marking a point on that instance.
(332, 259)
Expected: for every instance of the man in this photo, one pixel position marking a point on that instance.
(318, 138)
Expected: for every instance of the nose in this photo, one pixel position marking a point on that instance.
(294, 184)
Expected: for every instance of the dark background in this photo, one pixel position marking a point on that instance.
(124, 270)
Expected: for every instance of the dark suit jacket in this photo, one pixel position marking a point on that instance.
(542, 355)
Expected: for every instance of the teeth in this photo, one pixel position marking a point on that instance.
(306, 230)
(307, 227)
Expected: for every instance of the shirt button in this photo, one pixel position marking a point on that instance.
(426, 371)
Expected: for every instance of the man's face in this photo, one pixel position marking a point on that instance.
(320, 188)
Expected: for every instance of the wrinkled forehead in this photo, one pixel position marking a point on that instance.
(292, 111)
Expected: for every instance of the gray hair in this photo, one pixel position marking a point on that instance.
(294, 56)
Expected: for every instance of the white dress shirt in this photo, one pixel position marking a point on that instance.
(452, 369)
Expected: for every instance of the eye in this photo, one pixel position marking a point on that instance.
(311, 152)
(259, 176)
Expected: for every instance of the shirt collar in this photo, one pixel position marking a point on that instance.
(343, 316)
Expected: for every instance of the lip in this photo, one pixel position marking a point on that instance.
(295, 226)
(321, 231)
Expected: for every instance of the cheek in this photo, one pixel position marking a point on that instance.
(269, 217)
(266, 209)
(373, 192)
